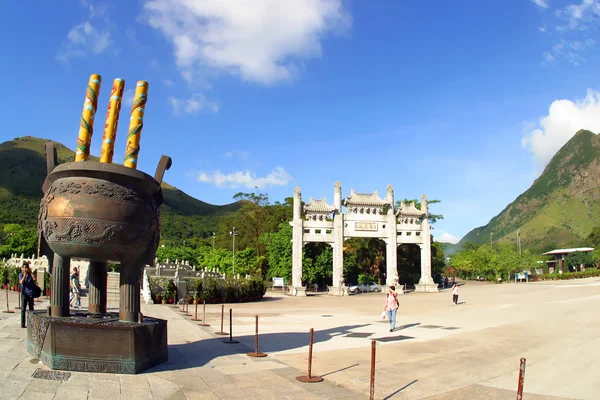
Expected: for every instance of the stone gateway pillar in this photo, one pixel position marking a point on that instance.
(339, 288)
(426, 283)
(297, 245)
(391, 243)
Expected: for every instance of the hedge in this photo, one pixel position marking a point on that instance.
(588, 273)
(212, 290)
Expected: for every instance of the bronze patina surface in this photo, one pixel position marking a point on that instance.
(81, 343)
(103, 213)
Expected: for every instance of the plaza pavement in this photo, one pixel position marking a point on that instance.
(439, 351)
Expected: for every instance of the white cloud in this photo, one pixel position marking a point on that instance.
(168, 82)
(541, 3)
(193, 104)
(128, 98)
(446, 237)
(82, 39)
(132, 35)
(564, 119)
(574, 28)
(569, 50)
(243, 154)
(86, 38)
(259, 40)
(277, 177)
(580, 16)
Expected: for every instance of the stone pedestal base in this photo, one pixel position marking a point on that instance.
(297, 291)
(338, 290)
(429, 287)
(86, 343)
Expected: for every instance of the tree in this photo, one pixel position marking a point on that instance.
(317, 263)
(577, 258)
(17, 239)
(279, 251)
(593, 238)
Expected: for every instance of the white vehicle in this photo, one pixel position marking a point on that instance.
(365, 287)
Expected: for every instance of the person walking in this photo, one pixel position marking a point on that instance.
(27, 285)
(391, 306)
(455, 291)
(74, 279)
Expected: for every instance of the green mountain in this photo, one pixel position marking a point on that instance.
(23, 170)
(560, 208)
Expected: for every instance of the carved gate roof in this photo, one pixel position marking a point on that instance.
(409, 210)
(364, 200)
(318, 206)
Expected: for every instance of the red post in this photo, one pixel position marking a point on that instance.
(230, 341)
(372, 385)
(18, 307)
(309, 378)
(195, 310)
(185, 307)
(222, 317)
(8, 311)
(204, 316)
(256, 352)
(521, 379)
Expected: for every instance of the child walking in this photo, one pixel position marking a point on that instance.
(455, 291)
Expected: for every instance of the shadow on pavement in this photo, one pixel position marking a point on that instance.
(399, 390)
(202, 352)
(407, 326)
(339, 370)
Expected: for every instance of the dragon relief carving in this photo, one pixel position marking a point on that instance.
(98, 188)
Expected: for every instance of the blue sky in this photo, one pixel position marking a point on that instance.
(465, 101)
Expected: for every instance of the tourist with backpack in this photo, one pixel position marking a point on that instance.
(391, 306)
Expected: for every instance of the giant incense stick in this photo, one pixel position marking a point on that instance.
(136, 123)
(112, 121)
(86, 124)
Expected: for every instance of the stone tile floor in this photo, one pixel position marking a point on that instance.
(467, 352)
(197, 369)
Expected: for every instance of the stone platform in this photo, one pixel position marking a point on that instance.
(87, 343)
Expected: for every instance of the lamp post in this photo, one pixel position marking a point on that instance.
(491, 241)
(519, 242)
(233, 234)
(213, 242)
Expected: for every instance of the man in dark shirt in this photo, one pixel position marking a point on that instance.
(27, 284)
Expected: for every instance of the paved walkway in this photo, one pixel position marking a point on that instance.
(200, 366)
(439, 351)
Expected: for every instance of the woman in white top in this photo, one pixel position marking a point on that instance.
(455, 294)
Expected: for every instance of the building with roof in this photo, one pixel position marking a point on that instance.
(557, 263)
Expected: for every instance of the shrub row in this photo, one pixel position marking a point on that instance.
(588, 273)
(214, 291)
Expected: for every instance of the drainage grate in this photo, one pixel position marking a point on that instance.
(51, 375)
(394, 338)
(359, 334)
(431, 326)
(451, 328)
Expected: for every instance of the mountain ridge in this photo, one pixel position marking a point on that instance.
(559, 208)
